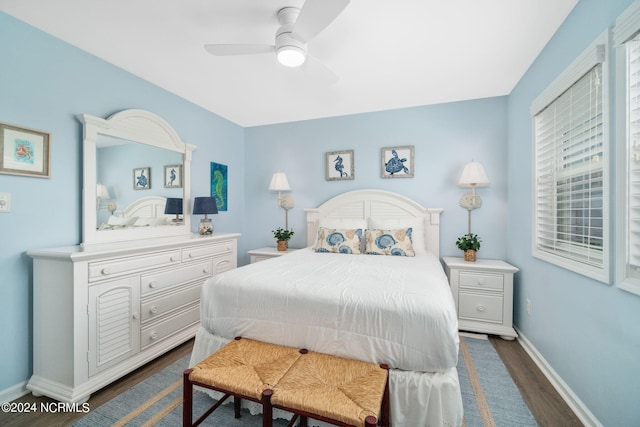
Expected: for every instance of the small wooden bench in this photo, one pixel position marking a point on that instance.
(339, 391)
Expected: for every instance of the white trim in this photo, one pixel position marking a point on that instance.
(574, 402)
(627, 24)
(14, 392)
(593, 55)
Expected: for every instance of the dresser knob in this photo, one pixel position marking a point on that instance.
(174, 258)
(106, 271)
(153, 284)
(135, 315)
(154, 310)
(481, 308)
(154, 335)
(205, 270)
(481, 282)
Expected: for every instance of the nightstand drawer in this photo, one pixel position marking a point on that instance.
(481, 307)
(476, 280)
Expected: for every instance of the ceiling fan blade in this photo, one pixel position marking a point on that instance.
(238, 49)
(318, 71)
(315, 16)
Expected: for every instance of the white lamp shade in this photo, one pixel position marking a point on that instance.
(102, 192)
(473, 175)
(279, 182)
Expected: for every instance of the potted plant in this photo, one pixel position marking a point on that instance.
(470, 244)
(282, 236)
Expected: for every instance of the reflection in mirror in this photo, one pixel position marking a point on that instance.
(117, 161)
(133, 162)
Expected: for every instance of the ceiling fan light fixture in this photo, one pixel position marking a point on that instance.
(291, 56)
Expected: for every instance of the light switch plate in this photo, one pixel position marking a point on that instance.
(5, 202)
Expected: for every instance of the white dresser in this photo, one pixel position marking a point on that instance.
(103, 310)
(483, 293)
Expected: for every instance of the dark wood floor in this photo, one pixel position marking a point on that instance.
(545, 403)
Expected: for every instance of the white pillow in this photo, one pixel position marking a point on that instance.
(120, 221)
(419, 242)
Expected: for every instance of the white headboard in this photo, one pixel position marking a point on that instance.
(378, 204)
(146, 207)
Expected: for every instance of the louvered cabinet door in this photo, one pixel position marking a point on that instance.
(114, 322)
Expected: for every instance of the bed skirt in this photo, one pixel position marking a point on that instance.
(430, 399)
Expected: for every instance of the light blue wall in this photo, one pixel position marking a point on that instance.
(44, 84)
(587, 331)
(445, 137)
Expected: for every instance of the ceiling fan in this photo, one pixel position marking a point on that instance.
(297, 28)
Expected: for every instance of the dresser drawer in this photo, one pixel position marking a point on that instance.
(477, 280)
(188, 273)
(481, 307)
(155, 333)
(115, 267)
(194, 252)
(153, 308)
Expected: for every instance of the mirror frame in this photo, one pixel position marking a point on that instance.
(142, 127)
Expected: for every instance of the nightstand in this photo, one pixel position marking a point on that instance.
(483, 293)
(267, 253)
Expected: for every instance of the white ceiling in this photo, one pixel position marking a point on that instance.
(387, 54)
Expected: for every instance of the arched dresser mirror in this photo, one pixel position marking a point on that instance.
(133, 162)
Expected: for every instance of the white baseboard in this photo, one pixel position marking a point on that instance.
(14, 392)
(582, 412)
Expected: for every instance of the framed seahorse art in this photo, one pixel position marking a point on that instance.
(219, 176)
(340, 165)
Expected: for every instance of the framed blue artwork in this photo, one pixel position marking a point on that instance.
(219, 177)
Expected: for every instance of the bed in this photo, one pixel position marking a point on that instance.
(388, 309)
(144, 212)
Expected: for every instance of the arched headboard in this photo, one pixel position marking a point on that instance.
(376, 204)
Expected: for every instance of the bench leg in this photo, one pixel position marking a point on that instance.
(236, 406)
(267, 409)
(370, 421)
(187, 399)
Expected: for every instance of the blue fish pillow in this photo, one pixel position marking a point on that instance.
(390, 242)
(339, 240)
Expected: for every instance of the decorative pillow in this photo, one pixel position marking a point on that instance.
(344, 223)
(339, 240)
(390, 242)
(417, 224)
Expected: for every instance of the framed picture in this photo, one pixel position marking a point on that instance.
(142, 178)
(339, 165)
(219, 177)
(173, 176)
(397, 162)
(24, 151)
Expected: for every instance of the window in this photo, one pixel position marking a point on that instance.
(570, 167)
(627, 42)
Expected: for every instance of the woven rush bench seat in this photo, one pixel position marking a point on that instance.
(338, 391)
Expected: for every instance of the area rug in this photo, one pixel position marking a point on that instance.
(489, 396)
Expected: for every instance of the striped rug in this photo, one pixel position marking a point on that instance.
(489, 396)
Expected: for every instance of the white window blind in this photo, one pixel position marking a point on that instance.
(569, 159)
(627, 42)
(570, 166)
(633, 165)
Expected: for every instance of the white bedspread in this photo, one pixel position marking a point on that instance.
(381, 309)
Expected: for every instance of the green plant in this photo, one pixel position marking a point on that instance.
(468, 242)
(282, 234)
